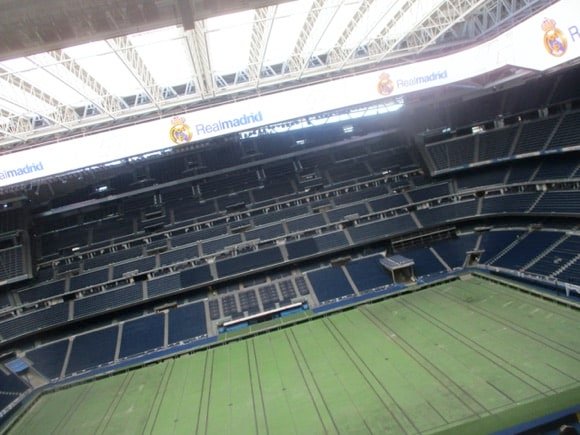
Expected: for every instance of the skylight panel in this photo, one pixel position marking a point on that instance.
(168, 61)
(369, 25)
(112, 73)
(384, 12)
(417, 13)
(329, 26)
(228, 40)
(286, 29)
(155, 36)
(17, 65)
(52, 86)
(18, 102)
(91, 49)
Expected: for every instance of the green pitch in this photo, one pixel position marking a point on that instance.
(466, 357)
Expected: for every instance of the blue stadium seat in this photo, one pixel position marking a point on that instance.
(186, 322)
(534, 135)
(34, 321)
(43, 291)
(248, 262)
(425, 261)
(48, 360)
(89, 279)
(108, 300)
(454, 251)
(559, 202)
(92, 349)
(163, 284)
(381, 229)
(141, 335)
(367, 273)
(493, 242)
(330, 283)
(557, 257)
(527, 249)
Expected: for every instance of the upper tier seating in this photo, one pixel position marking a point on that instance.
(554, 132)
(527, 248)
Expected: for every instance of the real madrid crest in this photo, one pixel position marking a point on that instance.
(385, 85)
(180, 131)
(554, 39)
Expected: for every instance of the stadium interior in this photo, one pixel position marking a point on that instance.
(118, 265)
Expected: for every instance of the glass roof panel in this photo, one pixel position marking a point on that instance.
(18, 102)
(329, 26)
(49, 84)
(168, 61)
(17, 65)
(154, 36)
(112, 73)
(228, 41)
(417, 12)
(58, 70)
(372, 23)
(88, 50)
(383, 12)
(84, 91)
(286, 28)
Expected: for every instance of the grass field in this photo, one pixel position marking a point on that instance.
(466, 356)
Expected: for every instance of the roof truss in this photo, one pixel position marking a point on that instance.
(449, 22)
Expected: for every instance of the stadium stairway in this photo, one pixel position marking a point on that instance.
(507, 248)
(546, 251)
(536, 201)
(574, 261)
(441, 260)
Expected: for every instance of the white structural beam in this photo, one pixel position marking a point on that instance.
(61, 114)
(435, 24)
(379, 44)
(263, 20)
(337, 53)
(199, 54)
(491, 16)
(306, 60)
(129, 55)
(438, 23)
(296, 61)
(107, 103)
(16, 127)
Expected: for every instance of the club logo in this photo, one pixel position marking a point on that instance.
(180, 131)
(554, 39)
(385, 85)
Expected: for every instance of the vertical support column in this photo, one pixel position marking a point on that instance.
(165, 328)
(119, 339)
(66, 357)
(350, 281)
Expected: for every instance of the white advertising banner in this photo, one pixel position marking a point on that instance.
(544, 41)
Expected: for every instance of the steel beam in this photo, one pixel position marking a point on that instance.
(493, 16)
(338, 53)
(107, 103)
(130, 57)
(17, 127)
(263, 21)
(439, 22)
(199, 55)
(296, 60)
(62, 114)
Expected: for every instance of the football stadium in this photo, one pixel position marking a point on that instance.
(290, 217)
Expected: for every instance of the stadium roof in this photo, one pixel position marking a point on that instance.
(108, 61)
